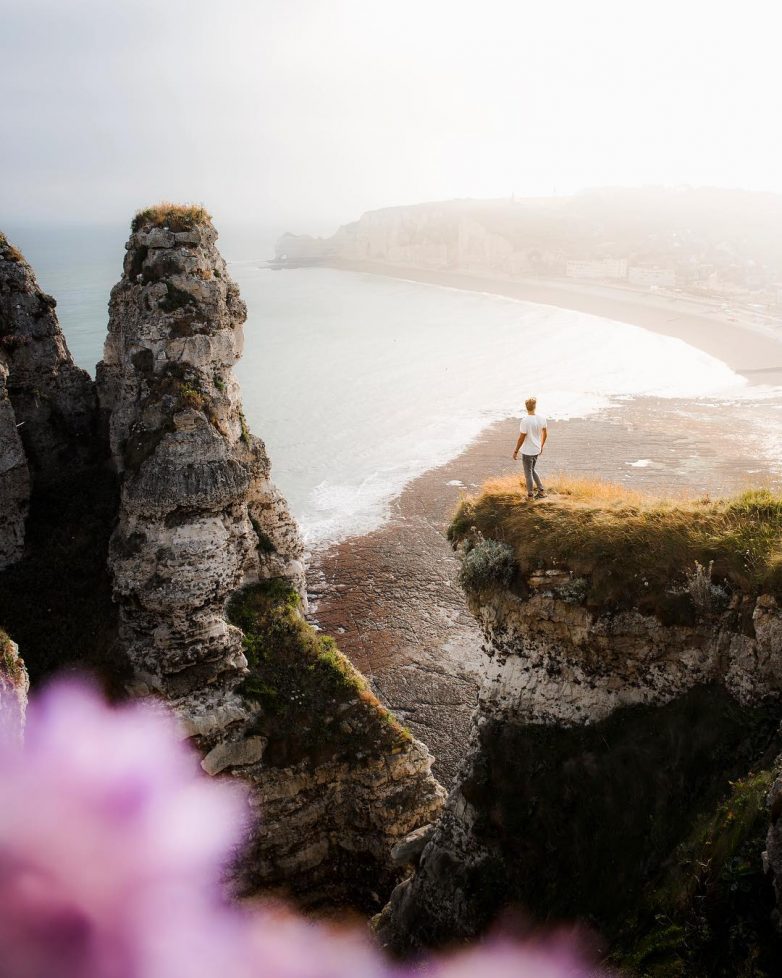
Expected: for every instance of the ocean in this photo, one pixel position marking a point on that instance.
(359, 383)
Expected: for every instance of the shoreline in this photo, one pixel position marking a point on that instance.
(748, 352)
(391, 597)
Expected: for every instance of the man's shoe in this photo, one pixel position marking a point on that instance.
(540, 494)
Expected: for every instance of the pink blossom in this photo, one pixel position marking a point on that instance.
(112, 847)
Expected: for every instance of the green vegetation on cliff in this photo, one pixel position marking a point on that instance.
(631, 549)
(313, 705)
(711, 912)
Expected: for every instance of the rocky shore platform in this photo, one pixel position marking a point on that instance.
(392, 597)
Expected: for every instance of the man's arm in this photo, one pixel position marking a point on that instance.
(543, 439)
(519, 443)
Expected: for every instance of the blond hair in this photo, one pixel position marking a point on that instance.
(530, 404)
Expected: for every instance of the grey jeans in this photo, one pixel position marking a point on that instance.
(530, 473)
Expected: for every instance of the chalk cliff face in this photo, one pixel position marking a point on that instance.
(52, 398)
(199, 520)
(196, 488)
(598, 738)
(471, 236)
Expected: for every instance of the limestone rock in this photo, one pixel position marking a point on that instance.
(234, 753)
(614, 707)
(53, 399)
(196, 490)
(410, 848)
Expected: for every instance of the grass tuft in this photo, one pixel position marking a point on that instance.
(8, 252)
(314, 705)
(191, 396)
(631, 548)
(10, 663)
(175, 217)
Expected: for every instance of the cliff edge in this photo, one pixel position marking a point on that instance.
(627, 730)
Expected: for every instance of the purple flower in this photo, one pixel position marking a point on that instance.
(112, 847)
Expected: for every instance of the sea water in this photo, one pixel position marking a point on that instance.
(359, 383)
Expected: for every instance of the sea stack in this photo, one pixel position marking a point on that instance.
(209, 578)
(198, 515)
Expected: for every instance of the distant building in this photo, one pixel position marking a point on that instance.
(651, 275)
(601, 268)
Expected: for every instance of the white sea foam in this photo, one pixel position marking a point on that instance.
(359, 384)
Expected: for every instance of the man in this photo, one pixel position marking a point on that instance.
(532, 437)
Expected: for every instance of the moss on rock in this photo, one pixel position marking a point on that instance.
(312, 703)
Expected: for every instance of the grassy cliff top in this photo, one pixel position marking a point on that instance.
(313, 704)
(625, 544)
(175, 217)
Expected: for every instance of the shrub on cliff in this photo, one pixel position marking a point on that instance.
(633, 549)
(489, 563)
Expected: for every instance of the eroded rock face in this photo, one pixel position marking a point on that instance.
(53, 399)
(597, 740)
(199, 515)
(14, 479)
(14, 686)
(199, 519)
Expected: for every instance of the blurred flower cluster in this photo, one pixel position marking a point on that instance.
(112, 849)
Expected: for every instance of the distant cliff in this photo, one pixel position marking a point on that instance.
(627, 730)
(704, 239)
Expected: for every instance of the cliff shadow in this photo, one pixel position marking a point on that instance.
(56, 601)
(582, 823)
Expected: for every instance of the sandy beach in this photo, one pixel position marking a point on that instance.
(392, 598)
(726, 334)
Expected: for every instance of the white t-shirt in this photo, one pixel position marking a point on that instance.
(532, 425)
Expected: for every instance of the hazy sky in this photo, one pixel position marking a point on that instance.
(305, 113)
